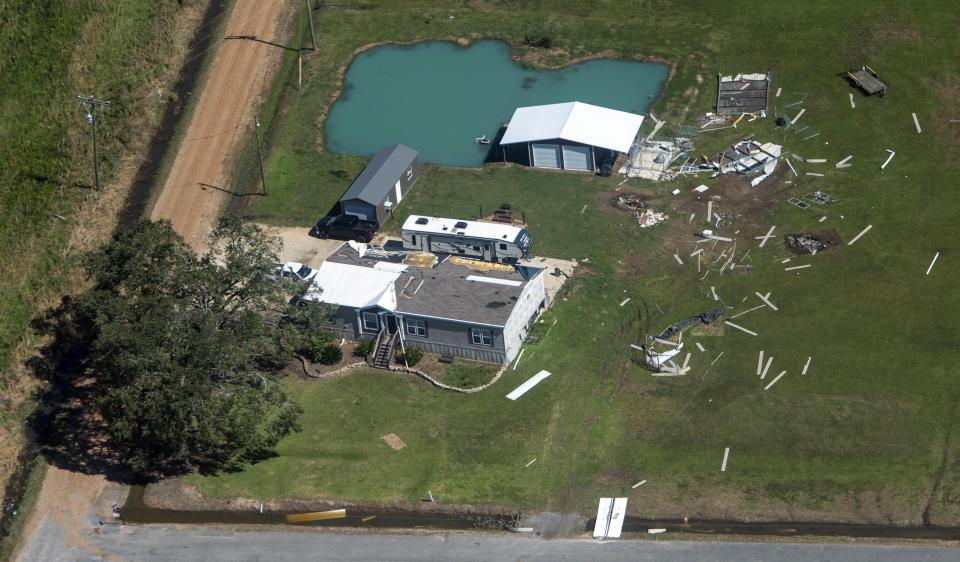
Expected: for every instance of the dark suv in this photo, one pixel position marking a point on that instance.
(344, 227)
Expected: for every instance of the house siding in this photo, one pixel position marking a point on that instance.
(448, 337)
(406, 181)
(529, 303)
(444, 337)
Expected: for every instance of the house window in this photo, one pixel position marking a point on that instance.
(416, 327)
(503, 246)
(476, 248)
(370, 321)
(481, 336)
(413, 239)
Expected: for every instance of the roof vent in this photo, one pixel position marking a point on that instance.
(460, 224)
(422, 220)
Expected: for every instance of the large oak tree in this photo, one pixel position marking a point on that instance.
(186, 349)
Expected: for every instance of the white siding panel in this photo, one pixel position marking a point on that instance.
(546, 155)
(529, 301)
(577, 158)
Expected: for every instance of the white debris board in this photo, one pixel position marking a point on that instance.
(531, 382)
(616, 519)
(610, 515)
(603, 518)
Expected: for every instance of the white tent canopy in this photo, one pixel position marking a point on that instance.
(353, 286)
(576, 122)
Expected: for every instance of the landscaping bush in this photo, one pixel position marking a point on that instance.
(331, 354)
(412, 355)
(316, 344)
(363, 348)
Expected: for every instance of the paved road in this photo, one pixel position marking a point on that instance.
(156, 543)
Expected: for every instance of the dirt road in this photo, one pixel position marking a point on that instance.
(197, 186)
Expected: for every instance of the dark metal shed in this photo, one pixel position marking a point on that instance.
(381, 186)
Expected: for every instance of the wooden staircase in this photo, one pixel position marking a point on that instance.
(382, 356)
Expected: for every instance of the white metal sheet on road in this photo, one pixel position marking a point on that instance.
(160, 543)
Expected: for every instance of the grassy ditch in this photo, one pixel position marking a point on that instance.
(869, 434)
(126, 51)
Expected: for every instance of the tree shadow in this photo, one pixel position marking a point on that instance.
(66, 427)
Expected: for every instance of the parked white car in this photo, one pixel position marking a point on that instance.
(296, 271)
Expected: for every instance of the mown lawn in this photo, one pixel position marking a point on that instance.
(863, 436)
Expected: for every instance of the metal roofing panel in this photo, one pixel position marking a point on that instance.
(576, 122)
(354, 286)
(377, 180)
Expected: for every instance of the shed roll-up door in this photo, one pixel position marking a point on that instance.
(365, 212)
(546, 155)
(577, 158)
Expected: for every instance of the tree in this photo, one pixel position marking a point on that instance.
(186, 350)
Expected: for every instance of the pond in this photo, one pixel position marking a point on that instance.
(438, 97)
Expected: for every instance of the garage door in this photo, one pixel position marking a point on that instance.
(365, 212)
(546, 155)
(577, 158)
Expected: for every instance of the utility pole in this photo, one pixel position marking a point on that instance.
(300, 50)
(91, 104)
(313, 36)
(263, 177)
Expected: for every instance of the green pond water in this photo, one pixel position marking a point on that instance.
(437, 97)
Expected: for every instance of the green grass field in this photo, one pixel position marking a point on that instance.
(867, 435)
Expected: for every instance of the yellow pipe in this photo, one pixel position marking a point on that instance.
(316, 516)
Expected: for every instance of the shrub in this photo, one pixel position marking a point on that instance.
(315, 344)
(331, 354)
(412, 355)
(363, 348)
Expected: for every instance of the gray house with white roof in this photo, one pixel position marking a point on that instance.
(478, 313)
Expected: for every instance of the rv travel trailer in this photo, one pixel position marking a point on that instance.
(487, 241)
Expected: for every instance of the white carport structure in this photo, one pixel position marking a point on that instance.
(565, 135)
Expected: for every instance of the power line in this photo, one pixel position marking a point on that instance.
(313, 36)
(91, 104)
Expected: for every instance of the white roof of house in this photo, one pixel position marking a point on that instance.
(473, 229)
(574, 121)
(354, 286)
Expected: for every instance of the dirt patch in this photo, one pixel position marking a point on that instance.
(812, 243)
(394, 441)
(947, 127)
(629, 202)
(299, 246)
(883, 33)
(68, 498)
